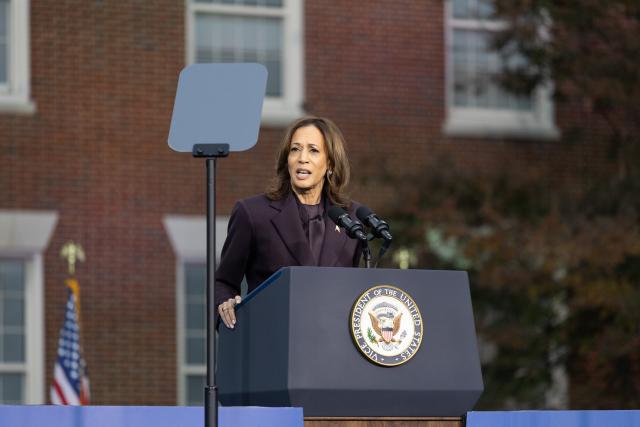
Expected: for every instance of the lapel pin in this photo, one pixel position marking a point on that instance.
(337, 229)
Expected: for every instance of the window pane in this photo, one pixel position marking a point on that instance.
(475, 70)
(268, 3)
(195, 350)
(13, 311)
(461, 69)
(195, 316)
(4, 14)
(195, 390)
(4, 40)
(12, 297)
(483, 69)
(13, 347)
(11, 275)
(194, 343)
(461, 9)
(485, 9)
(473, 9)
(224, 38)
(11, 389)
(196, 278)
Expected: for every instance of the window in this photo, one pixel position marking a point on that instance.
(14, 57)
(477, 105)
(188, 238)
(12, 332)
(195, 333)
(23, 237)
(264, 31)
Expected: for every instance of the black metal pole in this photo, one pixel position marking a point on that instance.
(366, 253)
(211, 152)
(211, 389)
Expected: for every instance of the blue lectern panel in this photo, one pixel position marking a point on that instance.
(145, 416)
(292, 346)
(554, 419)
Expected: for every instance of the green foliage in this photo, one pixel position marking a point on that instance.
(372, 338)
(555, 279)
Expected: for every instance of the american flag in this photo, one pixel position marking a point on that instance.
(70, 381)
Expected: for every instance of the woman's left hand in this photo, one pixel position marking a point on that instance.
(227, 311)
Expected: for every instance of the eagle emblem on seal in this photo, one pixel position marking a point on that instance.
(386, 321)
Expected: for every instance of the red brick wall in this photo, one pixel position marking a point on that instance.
(103, 78)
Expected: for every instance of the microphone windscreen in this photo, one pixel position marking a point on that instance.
(335, 212)
(363, 212)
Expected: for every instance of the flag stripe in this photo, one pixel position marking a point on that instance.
(57, 393)
(54, 396)
(67, 392)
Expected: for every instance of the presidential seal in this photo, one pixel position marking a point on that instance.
(386, 325)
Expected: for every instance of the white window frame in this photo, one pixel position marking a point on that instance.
(187, 234)
(15, 96)
(493, 123)
(276, 111)
(25, 235)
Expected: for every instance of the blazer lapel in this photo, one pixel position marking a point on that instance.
(289, 228)
(334, 241)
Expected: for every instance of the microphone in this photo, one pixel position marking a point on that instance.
(379, 228)
(353, 227)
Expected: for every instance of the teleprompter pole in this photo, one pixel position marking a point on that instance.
(211, 152)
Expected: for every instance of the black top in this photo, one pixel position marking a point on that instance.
(313, 223)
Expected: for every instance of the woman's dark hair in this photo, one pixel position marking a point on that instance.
(338, 169)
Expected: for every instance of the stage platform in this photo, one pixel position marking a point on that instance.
(145, 416)
(181, 416)
(554, 419)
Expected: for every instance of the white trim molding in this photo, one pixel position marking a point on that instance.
(479, 122)
(15, 96)
(277, 111)
(25, 235)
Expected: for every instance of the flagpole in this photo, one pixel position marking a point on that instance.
(70, 384)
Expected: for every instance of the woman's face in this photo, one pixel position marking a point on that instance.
(307, 159)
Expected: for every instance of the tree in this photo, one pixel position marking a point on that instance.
(589, 49)
(554, 268)
(555, 281)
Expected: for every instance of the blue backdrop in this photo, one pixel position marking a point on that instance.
(554, 419)
(141, 416)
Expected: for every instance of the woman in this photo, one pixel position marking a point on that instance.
(289, 225)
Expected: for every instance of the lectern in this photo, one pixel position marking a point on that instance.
(294, 345)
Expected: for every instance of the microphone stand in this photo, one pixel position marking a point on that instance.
(366, 253)
(383, 250)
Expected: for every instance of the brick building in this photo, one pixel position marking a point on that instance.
(86, 95)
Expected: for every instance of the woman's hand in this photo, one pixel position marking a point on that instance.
(227, 311)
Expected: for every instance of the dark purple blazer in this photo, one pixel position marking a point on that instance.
(265, 235)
